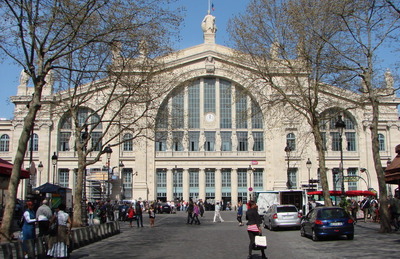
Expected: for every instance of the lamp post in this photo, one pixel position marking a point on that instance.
(308, 164)
(121, 167)
(340, 125)
(40, 169)
(288, 149)
(54, 159)
(250, 172)
(108, 152)
(174, 183)
(364, 170)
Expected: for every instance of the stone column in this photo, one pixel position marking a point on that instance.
(170, 185)
(234, 186)
(185, 184)
(202, 184)
(218, 184)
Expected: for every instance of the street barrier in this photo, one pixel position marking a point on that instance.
(37, 248)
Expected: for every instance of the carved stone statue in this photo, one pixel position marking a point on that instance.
(208, 24)
(389, 79)
(24, 78)
(49, 79)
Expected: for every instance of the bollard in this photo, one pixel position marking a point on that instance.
(75, 238)
(7, 251)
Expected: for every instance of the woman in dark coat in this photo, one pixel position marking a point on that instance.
(253, 226)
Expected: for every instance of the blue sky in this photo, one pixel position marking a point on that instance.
(191, 34)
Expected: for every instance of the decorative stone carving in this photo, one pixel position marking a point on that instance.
(210, 64)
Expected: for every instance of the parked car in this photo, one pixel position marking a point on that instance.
(282, 216)
(327, 221)
(164, 208)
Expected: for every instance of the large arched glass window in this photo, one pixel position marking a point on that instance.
(86, 117)
(381, 140)
(328, 122)
(4, 143)
(219, 116)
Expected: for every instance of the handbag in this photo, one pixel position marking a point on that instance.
(260, 242)
(53, 229)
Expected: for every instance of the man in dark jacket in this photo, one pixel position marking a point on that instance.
(138, 213)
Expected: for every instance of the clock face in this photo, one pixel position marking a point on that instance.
(210, 117)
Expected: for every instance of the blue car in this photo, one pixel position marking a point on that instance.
(326, 222)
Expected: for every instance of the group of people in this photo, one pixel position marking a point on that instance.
(369, 207)
(58, 243)
(194, 210)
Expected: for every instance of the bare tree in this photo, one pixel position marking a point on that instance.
(44, 35)
(316, 45)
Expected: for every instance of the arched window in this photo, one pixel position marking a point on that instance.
(328, 129)
(4, 143)
(291, 141)
(128, 143)
(382, 144)
(86, 117)
(35, 144)
(219, 116)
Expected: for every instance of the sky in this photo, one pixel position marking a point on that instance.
(191, 35)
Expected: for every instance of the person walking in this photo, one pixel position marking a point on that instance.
(365, 205)
(90, 211)
(139, 214)
(217, 213)
(59, 243)
(190, 212)
(131, 215)
(43, 216)
(354, 209)
(253, 227)
(152, 215)
(240, 213)
(196, 213)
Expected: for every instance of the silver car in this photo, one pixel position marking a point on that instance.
(282, 216)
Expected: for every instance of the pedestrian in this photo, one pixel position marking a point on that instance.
(354, 208)
(217, 213)
(240, 213)
(139, 214)
(196, 213)
(201, 207)
(253, 227)
(116, 211)
(97, 215)
(190, 212)
(131, 215)
(28, 228)
(90, 211)
(43, 216)
(394, 208)
(59, 243)
(152, 215)
(365, 205)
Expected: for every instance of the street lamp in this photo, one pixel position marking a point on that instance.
(340, 125)
(288, 149)
(250, 172)
(121, 167)
(40, 169)
(174, 183)
(108, 152)
(364, 170)
(54, 159)
(308, 164)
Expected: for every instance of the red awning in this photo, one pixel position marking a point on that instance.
(6, 169)
(360, 193)
(332, 193)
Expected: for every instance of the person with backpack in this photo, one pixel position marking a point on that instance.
(131, 215)
(365, 204)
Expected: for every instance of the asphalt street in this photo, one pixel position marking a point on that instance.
(173, 238)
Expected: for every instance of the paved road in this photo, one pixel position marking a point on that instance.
(173, 238)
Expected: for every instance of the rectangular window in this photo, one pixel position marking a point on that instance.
(209, 95)
(177, 138)
(226, 177)
(226, 141)
(194, 137)
(64, 141)
(352, 179)
(293, 177)
(335, 141)
(256, 116)
(258, 141)
(63, 177)
(178, 111)
(241, 109)
(323, 135)
(193, 178)
(178, 178)
(381, 139)
(210, 179)
(161, 141)
(96, 141)
(225, 108)
(337, 183)
(209, 144)
(258, 178)
(242, 177)
(351, 141)
(242, 141)
(161, 178)
(127, 174)
(194, 105)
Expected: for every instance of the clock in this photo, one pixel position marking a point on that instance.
(210, 117)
